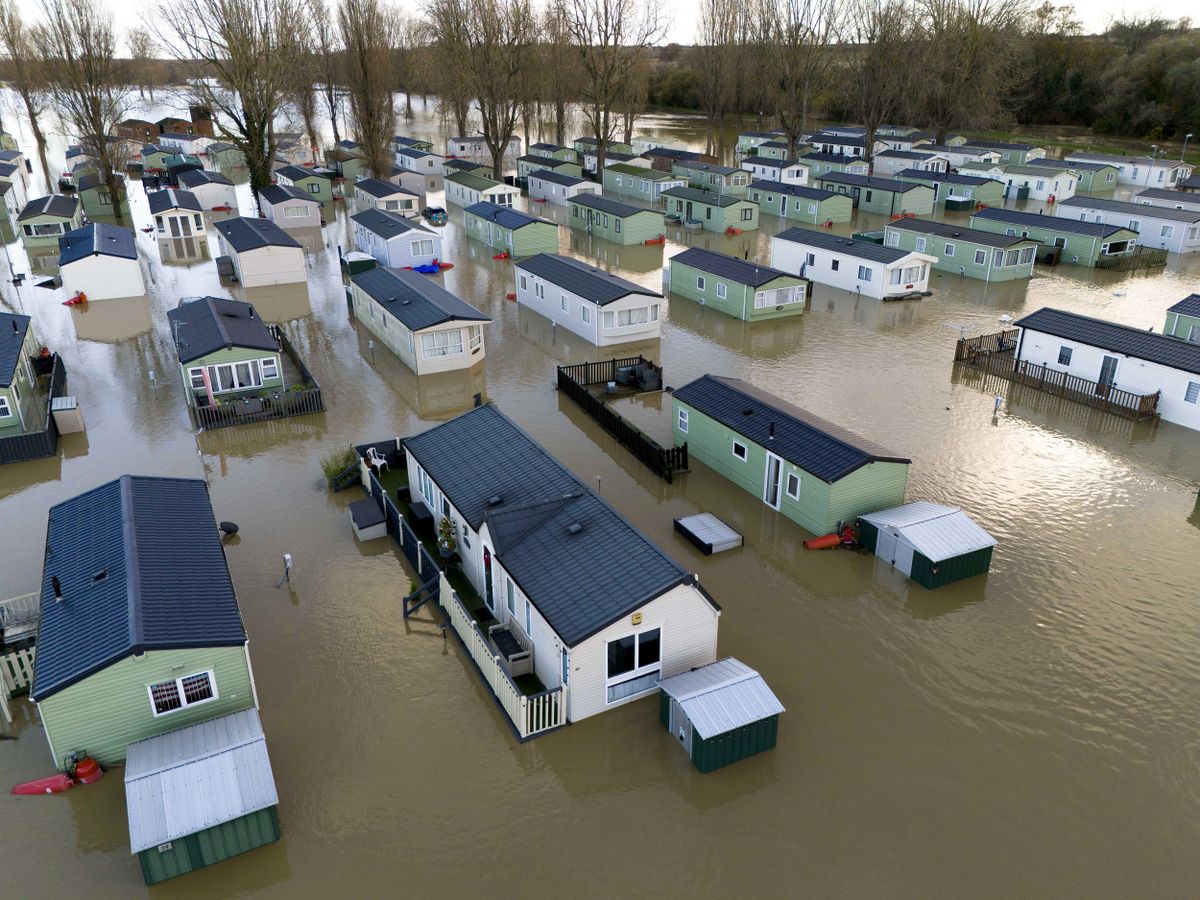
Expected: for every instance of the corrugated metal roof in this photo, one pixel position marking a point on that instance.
(1135, 342)
(1051, 222)
(826, 241)
(1188, 306)
(722, 696)
(937, 532)
(1134, 210)
(191, 779)
(583, 280)
(207, 324)
(736, 270)
(96, 239)
(414, 299)
(141, 567)
(13, 329)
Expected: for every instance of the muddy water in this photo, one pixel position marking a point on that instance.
(1033, 732)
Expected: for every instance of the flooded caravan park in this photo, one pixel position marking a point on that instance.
(1029, 733)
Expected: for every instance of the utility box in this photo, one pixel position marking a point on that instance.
(68, 417)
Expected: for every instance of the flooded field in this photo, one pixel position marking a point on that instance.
(1030, 733)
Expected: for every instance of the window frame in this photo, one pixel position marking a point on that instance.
(681, 420)
(639, 669)
(181, 695)
(744, 455)
(787, 485)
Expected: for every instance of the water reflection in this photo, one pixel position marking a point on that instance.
(875, 314)
(772, 339)
(183, 251)
(628, 258)
(311, 239)
(111, 320)
(279, 302)
(434, 397)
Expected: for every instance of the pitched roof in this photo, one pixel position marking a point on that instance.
(1135, 342)
(945, 177)
(377, 187)
(504, 216)
(1118, 160)
(414, 299)
(414, 153)
(714, 168)
(581, 279)
(282, 193)
(1137, 210)
(959, 232)
(141, 567)
(96, 239)
(298, 173)
(205, 325)
(610, 206)
(849, 246)
(404, 141)
(1167, 195)
(560, 178)
(722, 696)
(870, 181)
(553, 148)
(7, 170)
(473, 181)
(193, 178)
(999, 145)
(731, 268)
(840, 158)
(465, 165)
(905, 154)
(13, 329)
(243, 234)
(794, 190)
(546, 162)
(387, 224)
(827, 451)
(642, 172)
(173, 198)
(771, 162)
(708, 198)
(1188, 306)
(579, 579)
(1076, 164)
(672, 153)
(937, 532)
(1051, 222)
(53, 205)
(760, 134)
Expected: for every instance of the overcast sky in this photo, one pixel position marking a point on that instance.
(682, 14)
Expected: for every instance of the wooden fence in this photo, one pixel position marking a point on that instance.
(572, 381)
(1140, 258)
(37, 444)
(969, 349)
(16, 674)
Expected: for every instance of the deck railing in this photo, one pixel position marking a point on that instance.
(1140, 258)
(37, 444)
(998, 342)
(16, 674)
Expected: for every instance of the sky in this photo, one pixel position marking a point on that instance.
(683, 14)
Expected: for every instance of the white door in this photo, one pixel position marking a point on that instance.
(773, 487)
(885, 546)
(904, 557)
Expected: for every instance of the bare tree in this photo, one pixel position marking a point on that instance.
(367, 30)
(559, 66)
(86, 83)
(410, 41)
(306, 72)
(609, 36)
(249, 49)
(878, 33)
(632, 102)
(141, 53)
(325, 47)
(25, 75)
(715, 66)
(794, 38)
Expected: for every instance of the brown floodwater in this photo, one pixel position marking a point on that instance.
(1033, 732)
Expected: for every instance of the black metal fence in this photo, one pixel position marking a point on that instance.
(427, 569)
(38, 444)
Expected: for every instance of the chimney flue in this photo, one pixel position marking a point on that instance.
(57, 585)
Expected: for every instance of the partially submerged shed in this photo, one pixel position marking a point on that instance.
(930, 543)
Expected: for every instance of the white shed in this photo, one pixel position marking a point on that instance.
(930, 543)
(101, 261)
(395, 241)
(289, 207)
(262, 253)
(859, 266)
(558, 187)
(177, 213)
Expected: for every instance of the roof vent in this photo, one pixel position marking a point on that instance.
(770, 431)
(574, 528)
(100, 576)
(495, 500)
(16, 328)
(57, 586)
(748, 411)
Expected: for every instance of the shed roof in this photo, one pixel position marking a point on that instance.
(722, 696)
(1188, 306)
(244, 234)
(580, 580)
(870, 181)
(141, 567)
(560, 178)
(960, 232)
(282, 193)
(196, 777)
(828, 451)
(708, 198)
(13, 329)
(414, 299)
(194, 178)
(1051, 222)
(387, 224)
(504, 216)
(205, 325)
(173, 198)
(739, 271)
(1135, 342)
(937, 532)
(610, 206)
(53, 205)
(96, 239)
(1136, 210)
(826, 241)
(794, 190)
(582, 279)
(377, 187)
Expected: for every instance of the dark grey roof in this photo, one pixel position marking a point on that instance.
(999, 145)
(414, 153)
(591, 141)
(503, 215)
(840, 140)
(281, 193)
(964, 149)
(715, 168)
(220, 147)
(141, 567)
(709, 198)
(1051, 222)
(731, 268)
(828, 451)
(171, 198)
(610, 206)
(959, 232)
(193, 178)
(1135, 342)
(760, 134)
(672, 153)
(244, 234)
(386, 223)
(1079, 164)
(553, 177)
(905, 154)
(946, 177)
(826, 241)
(377, 187)
(870, 181)
(295, 173)
(794, 190)
(7, 170)
(553, 148)
(407, 141)
(1170, 196)
(52, 205)
(546, 162)
(1188, 306)
(1191, 183)
(464, 165)
(1137, 210)
(92, 180)
(770, 162)
(778, 145)
(97, 239)
(414, 299)
(581, 279)
(579, 579)
(208, 324)
(833, 158)
(13, 329)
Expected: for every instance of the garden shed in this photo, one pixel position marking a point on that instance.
(721, 713)
(930, 543)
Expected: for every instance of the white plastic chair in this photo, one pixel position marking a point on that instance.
(375, 461)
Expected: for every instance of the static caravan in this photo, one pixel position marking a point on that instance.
(964, 251)
(647, 185)
(664, 159)
(880, 195)
(957, 191)
(1061, 239)
(318, 183)
(262, 253)
(781, 171)
(510, 231)
(400, 142)
(214, 190)
(778, 149)
(176, 213)
(289, 207)
(19, 351)
(960, 156)
(553, 151)
(749, 141)
(429, 328)
(585, 145)
(375, 193)
(715, 212)
(746, 290)
(451, 165)
(802, 204)
(466, 189)
(859, 266)
(1010, 153)
(425, 163)
(225, 350)
(612, 220)
(394, 240)
(474, 148)
(815, 473)
(1140, 171)
(717, 179)
(844, 144)
(101, 261)
(1117, 356)
(932, 544)
(96, 196)
(827, 163)
(527, 165)
(603, 309)
(44, 220)
(1176, 230)
(1183, 319)
(1045, 184)
(1094, 177)
(558, 188)
(411, 181)
(1166, 198)
(890, 162)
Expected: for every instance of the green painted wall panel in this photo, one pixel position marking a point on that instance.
(540, 237)
(801, 209)
(1086, 249)
(235, 355)
(213, 845)
(959, 567)
(716, 218)
(635, 229)
(1180, 326)
(877, 200)
(964, 255)
(739, 298)
(732, 746)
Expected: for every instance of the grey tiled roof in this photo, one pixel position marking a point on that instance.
(579, 582)
(386, 223)
(1052, 223)
(1134, 342)
(96, 239)
(731, 268)
(793, 190)
(193, 178)
(141, 567)
(708, 198)
(849, 246)
(827, 451)
(281, 193)
(870, 181)
(1076, 164)
(958, 232)
(377, 187)
(52, 205)
(945, 177)
(610, 206)
(1188, 306)
(503, 215)
(560, 178)
(1168, 195)
(244, 234)
(414, 299)
(13, 329)
(1136, 210)
(207, 324)
(581, 279)
(999, 145)
(171, 198)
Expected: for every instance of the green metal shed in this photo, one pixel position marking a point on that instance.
(721, 713)
(199, 795)
(930, 543)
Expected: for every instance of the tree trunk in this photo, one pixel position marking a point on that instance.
(560, 122)
(331, 104)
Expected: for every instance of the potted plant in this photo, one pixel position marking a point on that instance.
(447, 542)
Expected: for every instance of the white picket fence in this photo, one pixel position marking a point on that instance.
(16, 673)
(530, 715)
